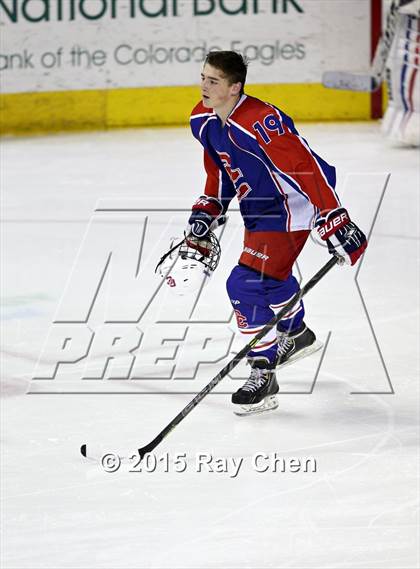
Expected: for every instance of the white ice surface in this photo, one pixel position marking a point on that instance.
(358, 510)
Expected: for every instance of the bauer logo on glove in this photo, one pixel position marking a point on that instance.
(333, 224)
(342, 236)
(189, 265)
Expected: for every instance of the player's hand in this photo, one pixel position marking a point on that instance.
(204, 213)
(200, 244)
(343, 237)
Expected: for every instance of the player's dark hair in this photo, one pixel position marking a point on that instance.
(231, 63)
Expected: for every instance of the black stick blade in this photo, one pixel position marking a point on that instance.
(146, 449)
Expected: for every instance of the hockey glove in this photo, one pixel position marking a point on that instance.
(343, 237)
(204, 213)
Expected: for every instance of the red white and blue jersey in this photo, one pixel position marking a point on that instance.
(259, 157)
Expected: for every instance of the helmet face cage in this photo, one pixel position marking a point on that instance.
(206, 250)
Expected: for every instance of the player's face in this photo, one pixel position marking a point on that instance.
(216, 91)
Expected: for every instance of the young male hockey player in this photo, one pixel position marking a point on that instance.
(253, 151)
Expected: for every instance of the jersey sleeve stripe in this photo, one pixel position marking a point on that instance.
(211, 117)
(201, 115)
(322, 170)
(241, 128)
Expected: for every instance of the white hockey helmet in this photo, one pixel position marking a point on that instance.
(188, 269)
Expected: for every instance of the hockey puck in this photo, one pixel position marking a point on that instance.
(83, 450)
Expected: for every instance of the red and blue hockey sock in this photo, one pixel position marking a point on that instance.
(255, 299)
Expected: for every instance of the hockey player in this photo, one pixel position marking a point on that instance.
(252, 151)
(401, 122)
(397, 58)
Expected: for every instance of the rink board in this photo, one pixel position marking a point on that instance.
(125, 65)
(101, 109)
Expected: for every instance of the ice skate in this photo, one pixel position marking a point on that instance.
(296, 345)
(259, 392)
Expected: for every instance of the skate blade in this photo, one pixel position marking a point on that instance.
(267, 404)
(317, 345)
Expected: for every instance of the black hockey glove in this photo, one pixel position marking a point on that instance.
(343, 237)
(204, 212)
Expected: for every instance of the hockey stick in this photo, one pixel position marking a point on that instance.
(239, 356)
(371, 81)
